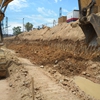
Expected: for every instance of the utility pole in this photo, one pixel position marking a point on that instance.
(60, 12)
(7, 25)
(23, 24)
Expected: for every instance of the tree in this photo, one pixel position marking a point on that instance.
(28, 26)
(17, 30)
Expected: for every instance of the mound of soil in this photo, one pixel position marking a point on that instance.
(61, 31)
(18, 78)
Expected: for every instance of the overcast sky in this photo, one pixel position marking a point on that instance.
(37, 12)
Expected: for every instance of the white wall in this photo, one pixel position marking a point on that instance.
(76, 14)
(73, 14)
(70, 15)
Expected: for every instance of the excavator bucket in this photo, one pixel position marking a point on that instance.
(92, 30)
(90, 24)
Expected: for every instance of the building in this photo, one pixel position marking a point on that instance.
(73, 16)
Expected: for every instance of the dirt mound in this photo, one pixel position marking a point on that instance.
(61, 31)
(18, 78)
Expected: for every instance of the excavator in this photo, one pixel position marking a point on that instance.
(89, 21)
(3, 62)
(3, 7)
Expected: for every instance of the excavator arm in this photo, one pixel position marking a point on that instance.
(90, 20)
(3, 7)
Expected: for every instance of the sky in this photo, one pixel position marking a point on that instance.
(37, 12)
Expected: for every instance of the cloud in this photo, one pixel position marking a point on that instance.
(42, 11)
(46, 12)
(17, 5)
(65, 10)
(38, 20)
(57, 0)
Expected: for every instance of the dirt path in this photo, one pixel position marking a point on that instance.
(4, 90)
(47, 88)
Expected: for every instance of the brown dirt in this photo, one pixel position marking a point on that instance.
(45, 48)
(44, 82)
(42, 54)
(18, 80)
(45, 86)
(64, 62)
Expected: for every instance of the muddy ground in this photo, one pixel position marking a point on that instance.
(62, 65)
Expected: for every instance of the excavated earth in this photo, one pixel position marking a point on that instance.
(18, 84)
(47, 48)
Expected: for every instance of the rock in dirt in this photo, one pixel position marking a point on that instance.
(41, 66)
(84, 73)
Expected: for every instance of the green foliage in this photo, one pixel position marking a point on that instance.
(17, 30)
(28, 26)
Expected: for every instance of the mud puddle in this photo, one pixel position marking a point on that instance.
(88, 87)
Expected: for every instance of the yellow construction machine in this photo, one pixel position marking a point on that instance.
(3, 62)
(3, 7)
(90, 20)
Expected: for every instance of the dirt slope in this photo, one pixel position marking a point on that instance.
(17, 85)
(61, 31)
(49, 49)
